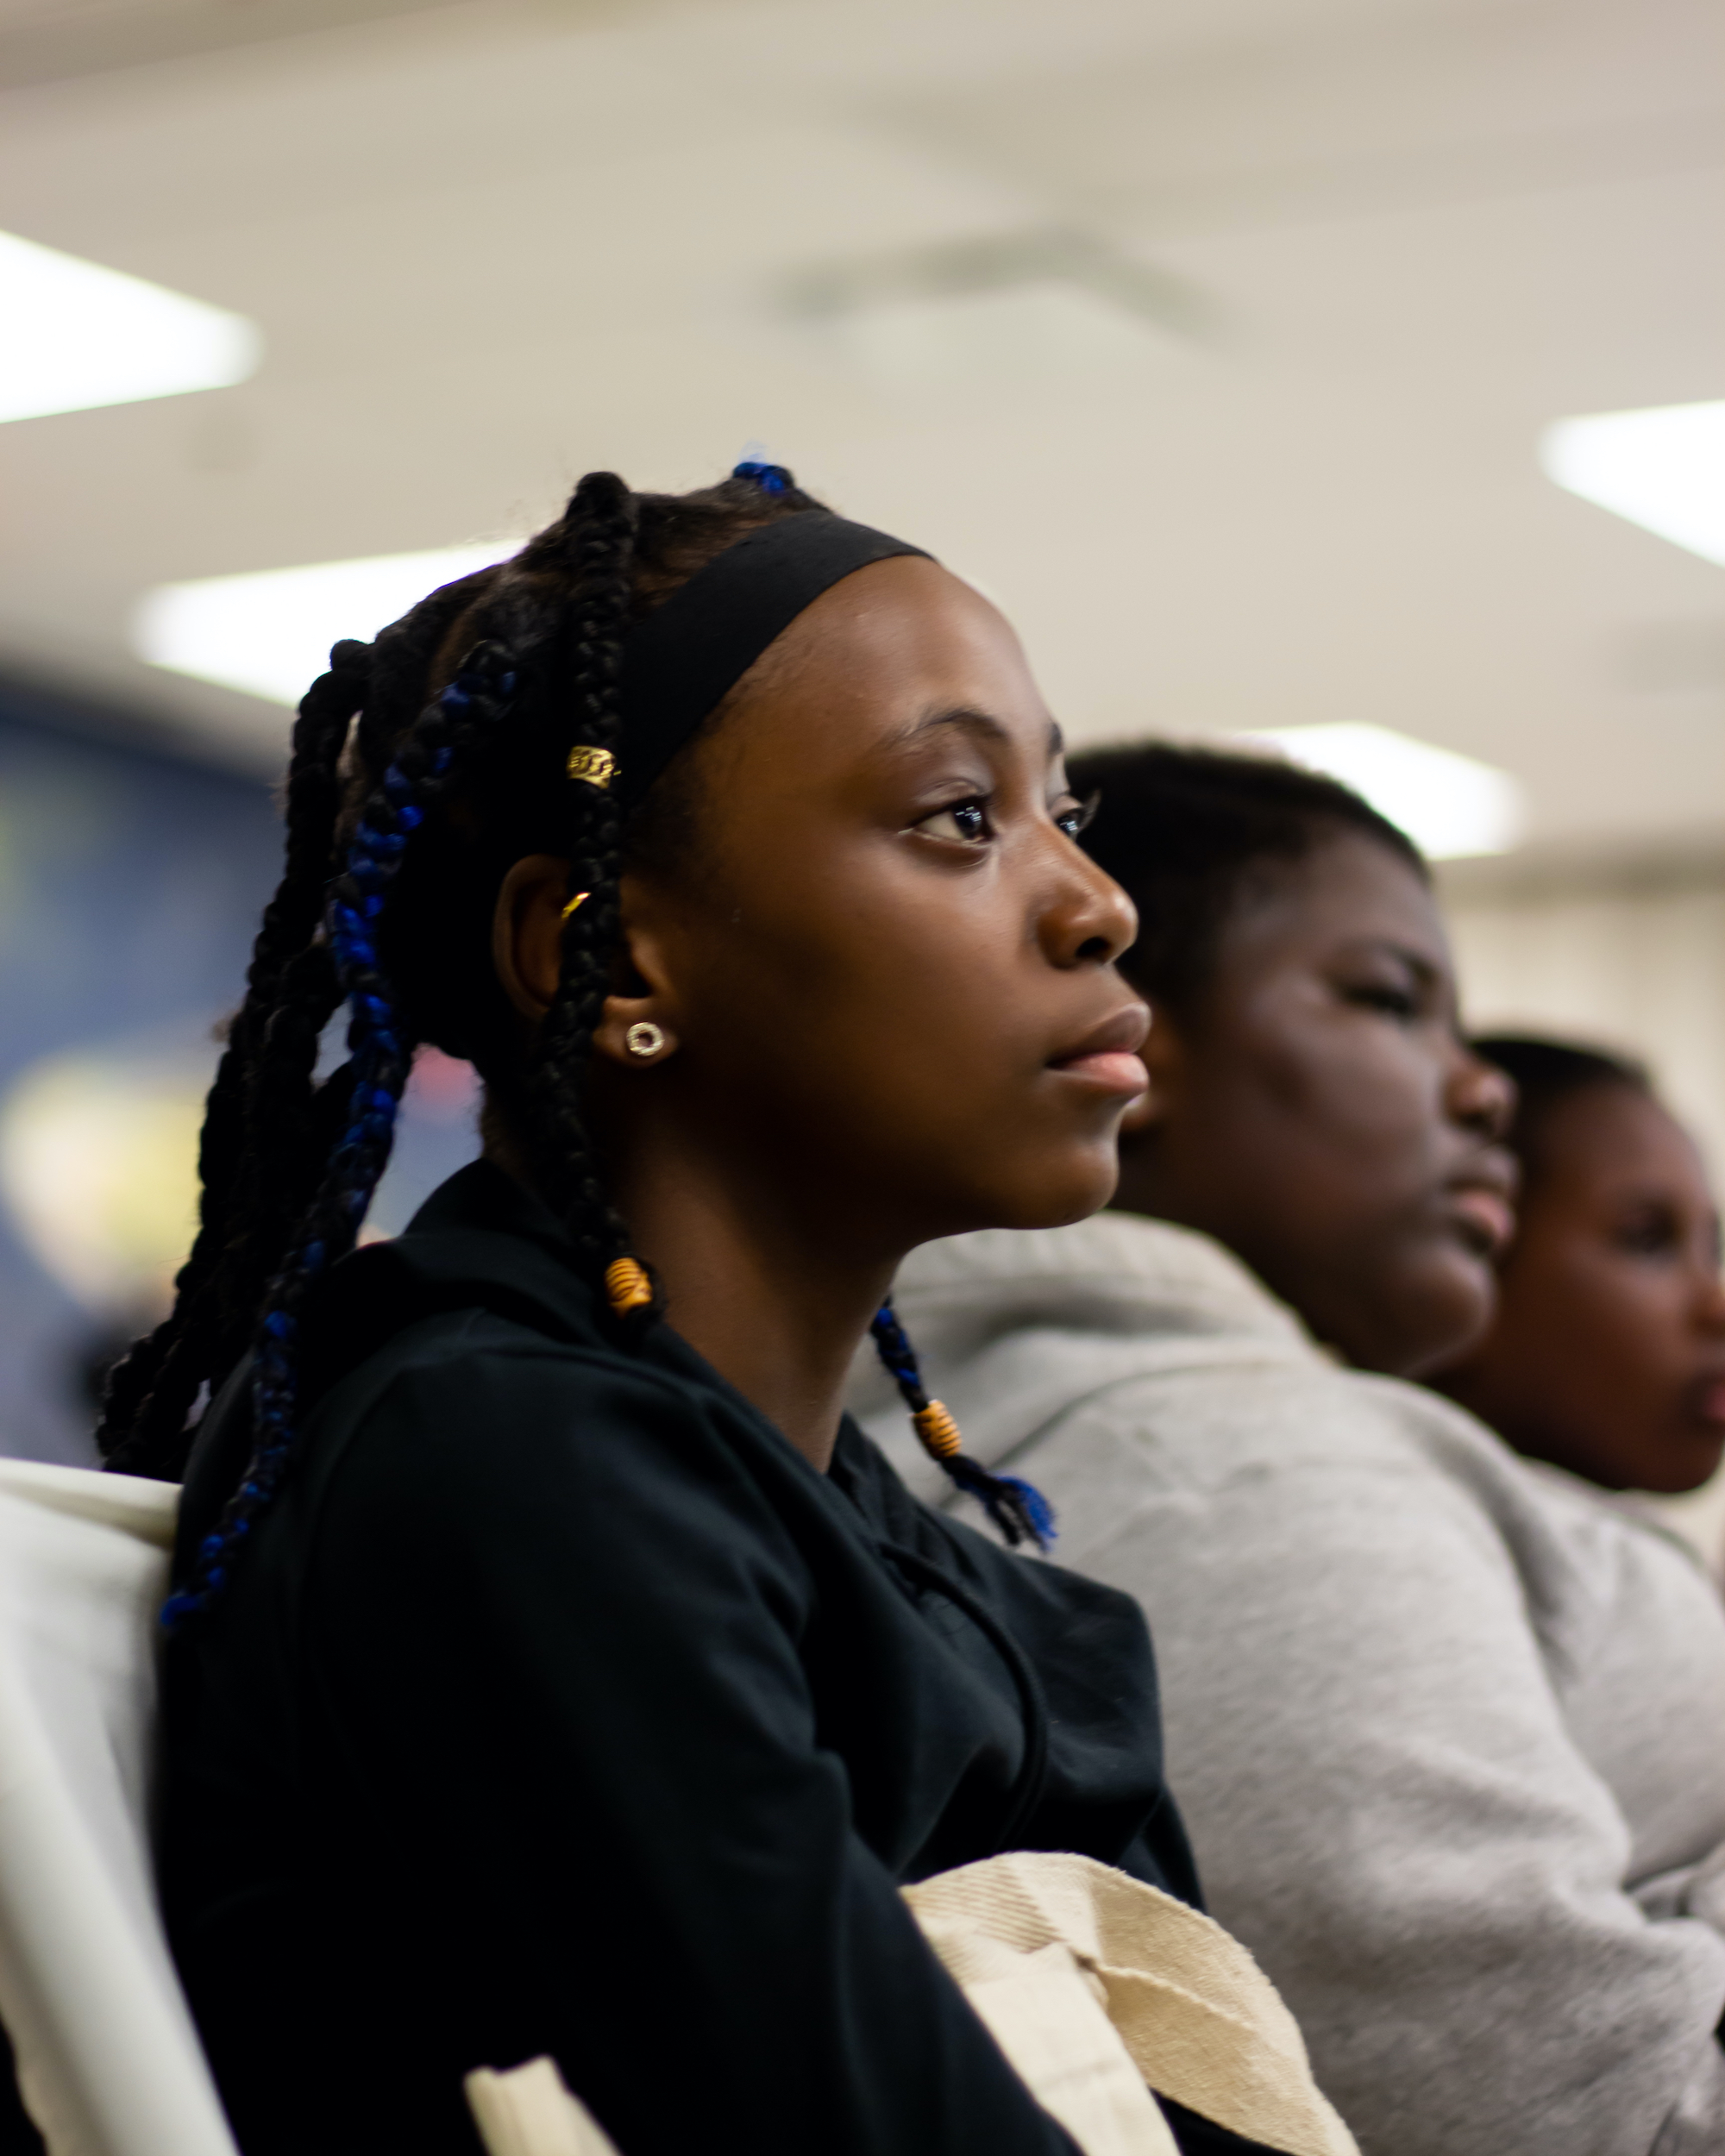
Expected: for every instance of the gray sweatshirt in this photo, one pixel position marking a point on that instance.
(1447, 1728)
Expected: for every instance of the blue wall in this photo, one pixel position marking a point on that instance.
(130, 883)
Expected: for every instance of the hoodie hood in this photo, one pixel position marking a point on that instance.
(1017, 1326)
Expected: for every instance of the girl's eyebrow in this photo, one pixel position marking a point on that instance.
(967, 719)
(1425, 968)
(962, 717)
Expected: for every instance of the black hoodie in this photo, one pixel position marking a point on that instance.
(560, 1706)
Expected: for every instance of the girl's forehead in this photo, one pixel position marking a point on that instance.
(1617, 1131)
(873, 670)
(1347, 889)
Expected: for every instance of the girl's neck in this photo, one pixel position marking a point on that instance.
(759, 1288)
(768, 1301)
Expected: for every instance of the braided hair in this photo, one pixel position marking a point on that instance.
(423, 767)
(1017, 1507)
(289, 993)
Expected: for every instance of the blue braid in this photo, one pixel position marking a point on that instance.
(381, 1058)
(1017, 1509)
(892, 1345)
(771, 478)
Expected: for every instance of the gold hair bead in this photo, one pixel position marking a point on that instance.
(626, 1286)
(593, 767)
(580, 899)
(938, 1431)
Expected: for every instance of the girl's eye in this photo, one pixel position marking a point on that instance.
(966, 821)
(1651, 1234)
(1079, 818)
(1381, 995)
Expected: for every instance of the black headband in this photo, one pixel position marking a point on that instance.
(681, 662)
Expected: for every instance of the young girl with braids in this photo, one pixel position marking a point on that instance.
(550, 1667)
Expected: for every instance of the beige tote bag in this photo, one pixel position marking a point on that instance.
(1097, 1988)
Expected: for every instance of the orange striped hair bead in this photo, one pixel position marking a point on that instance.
(1021, 1513)
(938, 1431)
(626, 1286)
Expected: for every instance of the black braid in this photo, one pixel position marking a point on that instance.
(467, 712)
(288, 1126)
(264, 1137)
(151, 1389)
(1017, 1507)
(601, 540)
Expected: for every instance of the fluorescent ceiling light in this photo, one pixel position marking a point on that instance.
(1663, 468)
(77, 335)
(269, 633)
(1448, 805)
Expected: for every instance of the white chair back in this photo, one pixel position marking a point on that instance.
(109, 2060)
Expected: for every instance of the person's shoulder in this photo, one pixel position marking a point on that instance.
(1345, 1452)
(1355, 1468)
(470, 1420)
(1449, 1442)
(1206, 1418)
(1616, 1537)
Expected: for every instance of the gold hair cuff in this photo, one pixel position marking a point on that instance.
(593, 767)
(626, 1284)
(580, 899)
(938, 1431)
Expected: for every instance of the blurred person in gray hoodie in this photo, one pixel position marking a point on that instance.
(1447, 1729)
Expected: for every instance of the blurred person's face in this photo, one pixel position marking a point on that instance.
(1317, 1112)
(1607, 1354)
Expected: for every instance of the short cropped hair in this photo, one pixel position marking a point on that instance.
(1183, 830)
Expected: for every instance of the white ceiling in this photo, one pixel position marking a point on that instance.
(1272, 298)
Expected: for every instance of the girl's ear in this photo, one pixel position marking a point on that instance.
(637, 1025)
(642, 1022)
(527, 931)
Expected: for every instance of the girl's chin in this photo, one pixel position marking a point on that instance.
(1673, 1465)
(1444, 1323)
(1059, 1202)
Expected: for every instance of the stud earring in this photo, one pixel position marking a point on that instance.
(643, 1038)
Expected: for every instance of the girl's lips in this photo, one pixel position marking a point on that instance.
(1112, 1069)
(1486, 1214)
(1710, 1401)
